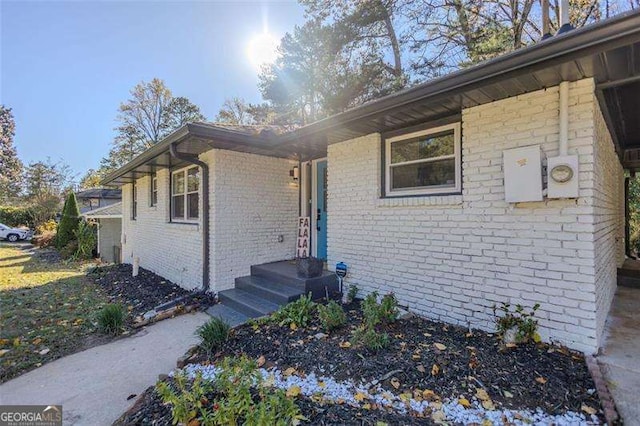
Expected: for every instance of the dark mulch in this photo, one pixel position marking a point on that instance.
(524, 377)
(144, 292)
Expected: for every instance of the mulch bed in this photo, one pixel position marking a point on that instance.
(528, 376)
(144, 292)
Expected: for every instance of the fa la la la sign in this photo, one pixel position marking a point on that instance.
(302, 244)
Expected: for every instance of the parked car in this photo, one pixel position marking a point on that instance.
(14, 234)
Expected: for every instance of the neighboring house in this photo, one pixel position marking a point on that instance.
(421, 193)
(95, 198)
(109, 221)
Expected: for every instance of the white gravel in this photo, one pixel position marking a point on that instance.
(449, 410)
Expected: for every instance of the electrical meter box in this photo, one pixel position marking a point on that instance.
(523, 174)
(562, 177)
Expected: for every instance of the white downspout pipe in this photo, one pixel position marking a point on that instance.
(563, 146)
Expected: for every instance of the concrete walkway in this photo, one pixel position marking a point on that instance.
(620, 354)
(93, 385)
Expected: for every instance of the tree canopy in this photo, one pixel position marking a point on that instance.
(10, 164)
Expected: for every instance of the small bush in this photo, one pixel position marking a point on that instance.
(45, 239)
(524, 322)
(48, 226)
(368, 337)
(111, 319)
(298, 312)
(187, 399)
(353, 292)
(213, 334)
(86, 238)
(384, 312)
(331, 316)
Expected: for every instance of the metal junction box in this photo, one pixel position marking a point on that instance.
(523, 174)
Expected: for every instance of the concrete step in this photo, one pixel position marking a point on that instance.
(286, 273)
(268, 289)
(629, 278)
(246, 303)
(229, 315)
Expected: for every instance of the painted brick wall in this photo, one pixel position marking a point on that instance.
(255, 203)
(608, 220)
(453, 257)
(172, 250)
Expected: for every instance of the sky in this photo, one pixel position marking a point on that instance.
(65, 67)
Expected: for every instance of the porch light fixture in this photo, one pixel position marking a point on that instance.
(295, 173)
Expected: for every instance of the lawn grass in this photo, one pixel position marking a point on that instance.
(47, 310)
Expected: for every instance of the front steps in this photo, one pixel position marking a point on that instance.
(269, 286)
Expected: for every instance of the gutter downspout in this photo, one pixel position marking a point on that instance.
(563, 146)
(193, 159)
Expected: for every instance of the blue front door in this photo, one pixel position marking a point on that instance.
(321, 210)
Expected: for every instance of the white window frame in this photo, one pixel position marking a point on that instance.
(154, 190)
(184, 195)
(457, 156)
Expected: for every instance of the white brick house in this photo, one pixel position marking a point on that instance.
(409, 191)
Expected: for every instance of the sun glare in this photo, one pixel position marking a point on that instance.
(263, 49)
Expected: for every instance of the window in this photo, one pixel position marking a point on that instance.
(185, 198)
(424, 162)
(134, 200)
(154, 190)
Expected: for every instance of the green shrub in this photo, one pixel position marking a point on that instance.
(368, 337)
(15, 216)
(69, 222)
(237, 396)
(298, 312)
(524, 322)
(187, 399)
(86, 238)
(331, 316)
(213, 334)
(384, 312)
(111, 319)
(353, 292)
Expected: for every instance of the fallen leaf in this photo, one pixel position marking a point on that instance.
(541, 380)
(429, 394)
(426, 334)
(507, 394)
(16, 342)
(366, 406)
(440, 346)
(482, 395)
(469, 334)
(293, 391)
(395, 383)
(345, 345)
(194, 422)
(360, 397)
(488, 405)
(415, 357)
(3, 351)
(511, 345)
(289, 371)
(537, 338)
(293, 326)
(421, 368)
(322, 385)
(37, 341)
(464, 402)
(588, 410)
(435, 370)
(261, 361)
(405, 397)
(44, 351)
